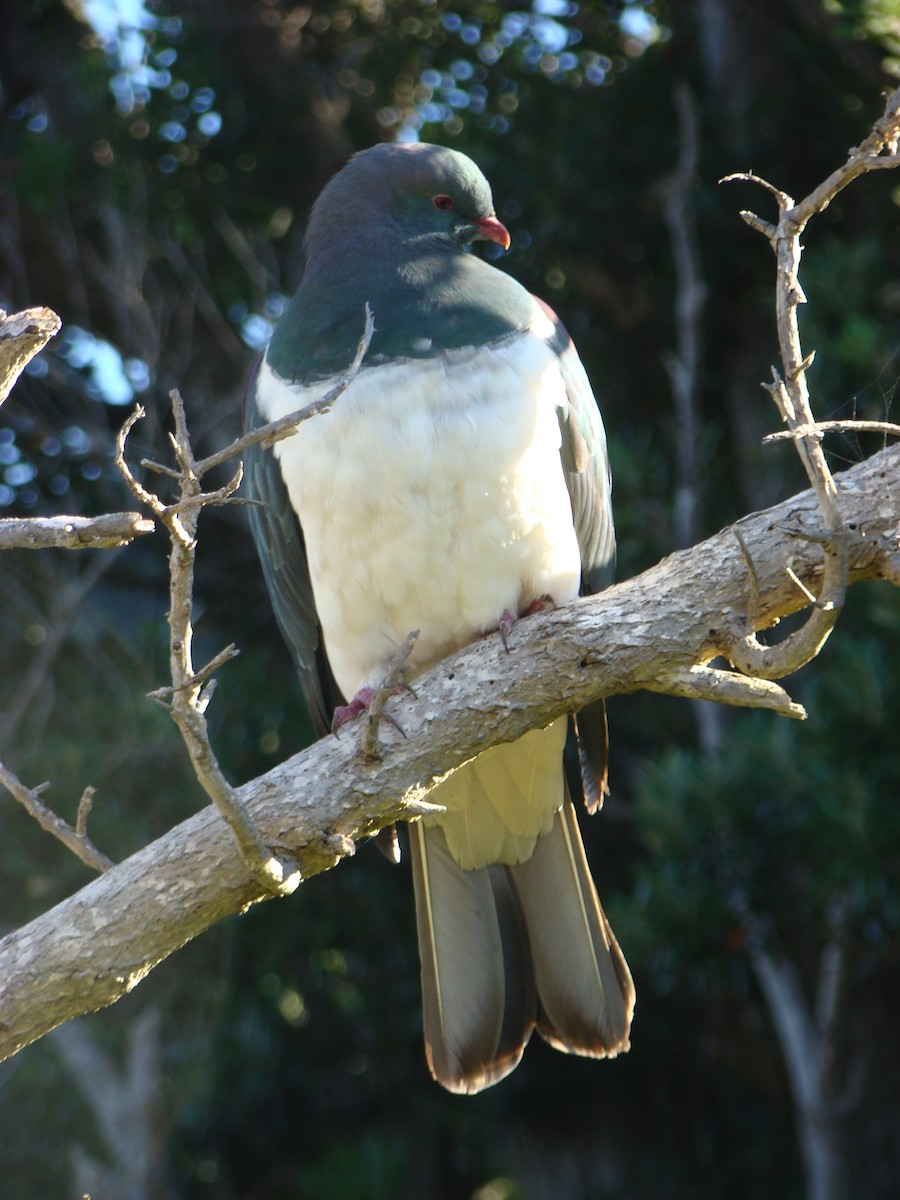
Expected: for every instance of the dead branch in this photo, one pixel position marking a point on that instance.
(276, 431)
(72, 533)
(190, 691)
(22, 336)
(887, 428)
(645, 633)
(76, 839)
(790, 391)
(186, 699)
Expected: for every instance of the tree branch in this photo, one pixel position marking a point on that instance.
(72, 533)
(189, 694)
(887, 428)
(187, 698)
(645, 633)
(791, 392)
(276, 431)
(22, 336)
(76, 839)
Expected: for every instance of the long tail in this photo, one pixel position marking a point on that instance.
(506, 948)
(477, 980)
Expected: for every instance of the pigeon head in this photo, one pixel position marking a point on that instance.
(403, 191)
(391, 230)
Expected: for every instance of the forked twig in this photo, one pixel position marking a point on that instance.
(75, 839)
(790, 392)
(189, 693)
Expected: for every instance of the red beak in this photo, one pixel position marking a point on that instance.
(493, 231)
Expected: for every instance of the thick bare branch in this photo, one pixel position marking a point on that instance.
(644, 633)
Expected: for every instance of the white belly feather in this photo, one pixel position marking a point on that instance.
(432, 497)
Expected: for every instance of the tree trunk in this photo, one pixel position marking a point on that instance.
(808, 1044)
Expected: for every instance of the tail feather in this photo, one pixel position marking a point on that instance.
(585, 991)
(477, 983)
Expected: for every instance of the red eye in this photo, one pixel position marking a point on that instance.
(442, 203)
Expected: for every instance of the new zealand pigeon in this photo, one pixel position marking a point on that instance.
(459, 482)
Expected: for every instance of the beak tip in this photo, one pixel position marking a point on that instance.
(493, 230)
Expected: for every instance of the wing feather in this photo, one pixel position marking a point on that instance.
(585, 462)
(282, 552)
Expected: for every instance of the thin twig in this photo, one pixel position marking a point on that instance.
(159, 468)
(849, 426)
(199, 677)
(152, 501)
(814, 601)
(782, 198)
(370, 750)
(267, 435)
(72, 533)
(75, 839)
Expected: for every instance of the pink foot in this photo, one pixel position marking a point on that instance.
(360, 704)
(347, 712)
(542, 604)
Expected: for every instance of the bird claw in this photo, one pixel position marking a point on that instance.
(507, 620)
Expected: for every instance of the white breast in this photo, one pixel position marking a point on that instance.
(431, 497)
